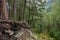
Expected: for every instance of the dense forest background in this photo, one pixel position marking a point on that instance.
(43, 16)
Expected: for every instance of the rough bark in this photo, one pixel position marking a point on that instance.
(14, 3)
(4, 14)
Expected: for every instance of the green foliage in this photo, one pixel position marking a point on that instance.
(43, 36)
(52, 20)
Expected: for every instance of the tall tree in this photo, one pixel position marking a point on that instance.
(4, 14)
(14, 3)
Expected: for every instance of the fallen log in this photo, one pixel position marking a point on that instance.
(16, 23)
(9, 21)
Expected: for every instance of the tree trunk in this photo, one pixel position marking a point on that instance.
(14, 3)
(4, 14)
(0, 8)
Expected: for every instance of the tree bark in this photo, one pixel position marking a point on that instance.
(14, 3)
(4, 14)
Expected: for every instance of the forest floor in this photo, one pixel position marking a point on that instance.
(25, 36)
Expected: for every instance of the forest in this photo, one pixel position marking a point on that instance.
(29, 19)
